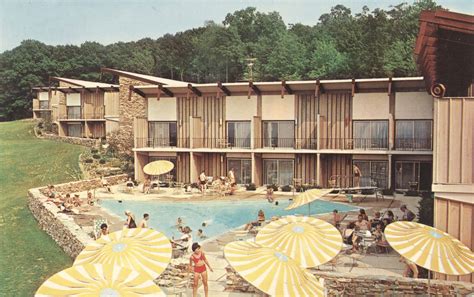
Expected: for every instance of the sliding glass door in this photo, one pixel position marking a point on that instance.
(238, 134)
(162, 134)
(279, 172)
(279, 134)
(242, 170)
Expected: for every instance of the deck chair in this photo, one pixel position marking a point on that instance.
(96, 227)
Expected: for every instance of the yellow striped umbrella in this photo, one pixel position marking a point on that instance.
(308, 197)
(271, 271)
(430, 248)
(139, 249)
(158, 167)
(99, 280)
(309, 241)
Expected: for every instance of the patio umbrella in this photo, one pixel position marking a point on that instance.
(271, 271)
(430, 248)
(309, 241)
(308, 197)
(139, 249)
(99, 280)
(158, 167)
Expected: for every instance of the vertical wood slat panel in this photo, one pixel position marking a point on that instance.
(441, 221)
(466, 236)
(455, 140)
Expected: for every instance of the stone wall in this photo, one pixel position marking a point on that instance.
(89, 142)
(61, 227)
(129, 109)
(347, 284)
(86, 185)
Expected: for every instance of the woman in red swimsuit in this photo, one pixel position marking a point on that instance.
(200, 263)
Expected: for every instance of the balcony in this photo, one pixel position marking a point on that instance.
(294, 143)
(413, 144)
(354, 143)
(220, 143)
(155, 142)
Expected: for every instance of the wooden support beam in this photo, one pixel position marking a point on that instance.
(130, 90)
(166, 91)
(102, 89)
(390, 86)
(319, 89)
(86, 89)
(223, 89)
(253, 88)
(194, 90)
(139, 92)
(285, 87)
(354, 87)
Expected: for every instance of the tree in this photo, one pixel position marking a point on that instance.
(327, 62)
(287, 60)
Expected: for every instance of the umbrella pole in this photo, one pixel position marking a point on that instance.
(429, 276)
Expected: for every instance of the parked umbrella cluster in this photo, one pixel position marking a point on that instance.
(275, 263)
(123, 263)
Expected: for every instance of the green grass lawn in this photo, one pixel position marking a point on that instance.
(28, 255)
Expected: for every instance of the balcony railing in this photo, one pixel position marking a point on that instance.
(221, 142)
(73, 112)
(413, 144)
(156, 142)
(94, 115)
(44, 105)
(354, 143)
(295, 143)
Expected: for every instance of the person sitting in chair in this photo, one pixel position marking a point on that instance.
(105, 184)
(260, 220)
(185, 241)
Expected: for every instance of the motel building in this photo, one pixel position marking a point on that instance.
(445, 55)
(78, 108)
(308, 132)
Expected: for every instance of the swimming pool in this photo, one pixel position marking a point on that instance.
(221, 216)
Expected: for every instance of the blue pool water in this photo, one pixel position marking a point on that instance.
(220, 215)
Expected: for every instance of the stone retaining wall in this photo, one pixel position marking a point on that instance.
(61, 227)
(86, 185)
(347, 284)
(72, 140)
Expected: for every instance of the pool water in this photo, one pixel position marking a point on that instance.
(219, 216)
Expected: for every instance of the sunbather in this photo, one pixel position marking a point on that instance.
(258, 222)
(104, 230)
(130, 222)
(105, 184)
(185, 241)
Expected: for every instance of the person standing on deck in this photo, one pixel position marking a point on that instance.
(357, 175)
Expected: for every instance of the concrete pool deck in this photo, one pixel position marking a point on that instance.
(356, 264)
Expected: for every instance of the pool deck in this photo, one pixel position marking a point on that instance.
(357, 264)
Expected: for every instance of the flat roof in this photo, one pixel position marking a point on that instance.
(287, 87)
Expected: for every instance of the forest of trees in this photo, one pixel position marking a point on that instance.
(341, 44)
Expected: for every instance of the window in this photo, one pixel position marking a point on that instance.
(74, 130)
(238, 134)
(44, 104)
(169, 176)
(413, 135)
(242, 170)
(279, 172)
(370, 135)
(162, 134)
(373, 173)
(409, 174)
(73, 112)
(279, 134)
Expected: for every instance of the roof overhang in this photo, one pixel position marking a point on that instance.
(285, 87)
(444, 51)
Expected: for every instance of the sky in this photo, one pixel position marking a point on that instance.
(107, 21)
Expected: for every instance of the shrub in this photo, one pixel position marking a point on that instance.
(95, 156)
(194, 186)
(387, 192)
(94, 151)
(425, 209)
(286, 188)
(299, 188)
(102, 161)
(251, 187)
(88, 161)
